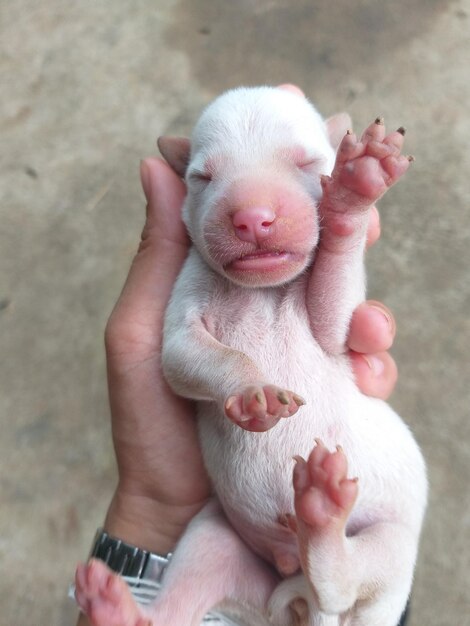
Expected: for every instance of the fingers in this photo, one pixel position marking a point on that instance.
(373, 227)
(372, 332)
(164, 241)
(160, 256)
(372, 328)
(376, 374)
(165, 192)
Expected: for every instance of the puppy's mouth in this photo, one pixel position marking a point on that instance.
(262, 260)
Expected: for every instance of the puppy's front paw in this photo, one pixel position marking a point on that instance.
(259, 407)
(365, 168)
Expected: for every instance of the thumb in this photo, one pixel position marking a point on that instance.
(138, 313)
(164, 192)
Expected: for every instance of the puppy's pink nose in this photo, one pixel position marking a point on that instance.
(254, 223)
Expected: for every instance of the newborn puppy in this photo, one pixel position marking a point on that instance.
(255, 332)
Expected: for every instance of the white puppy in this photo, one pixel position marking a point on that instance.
(255, 332)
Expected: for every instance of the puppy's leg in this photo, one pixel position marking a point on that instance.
(369, 573)
(363, 172)
(211, 565)
(199, 367)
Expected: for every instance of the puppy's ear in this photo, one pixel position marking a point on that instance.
(292, 88)
(175, 151)
(337, 126)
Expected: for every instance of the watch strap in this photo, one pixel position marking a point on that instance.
(135, 565)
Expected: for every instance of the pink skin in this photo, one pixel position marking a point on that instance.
(262, 232)
(363, 172)
(259, 408)
(105, 597)
(292, 88)
(324, 496)
(253, 224)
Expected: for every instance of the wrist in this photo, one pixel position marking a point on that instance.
(145, 522)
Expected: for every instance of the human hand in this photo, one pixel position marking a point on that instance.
(371, 334)
(162, 481)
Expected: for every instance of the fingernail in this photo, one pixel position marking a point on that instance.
(375, 364)
(385, 314)
(145, 179)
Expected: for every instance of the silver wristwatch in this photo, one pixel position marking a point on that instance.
(142, 570)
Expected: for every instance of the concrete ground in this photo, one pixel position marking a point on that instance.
(86, 88)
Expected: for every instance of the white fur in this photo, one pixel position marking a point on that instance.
(220, 336)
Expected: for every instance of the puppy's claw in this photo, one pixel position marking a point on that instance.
(283, 397)
(298, 400)
(230, 402)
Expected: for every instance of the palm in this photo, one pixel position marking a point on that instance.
(154, 432)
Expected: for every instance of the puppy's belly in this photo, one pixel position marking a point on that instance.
(252, 472)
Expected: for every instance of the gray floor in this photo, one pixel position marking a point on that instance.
(86, 88)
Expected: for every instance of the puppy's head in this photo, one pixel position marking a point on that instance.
(252, 170)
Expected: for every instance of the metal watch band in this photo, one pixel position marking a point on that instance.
(142, 570)
(133, 564)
